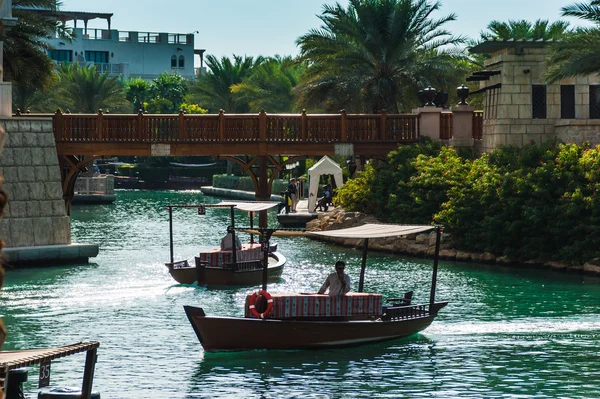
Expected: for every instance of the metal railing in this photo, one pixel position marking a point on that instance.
(104, 184)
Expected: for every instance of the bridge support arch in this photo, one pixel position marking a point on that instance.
(70, 168)
(263, 170)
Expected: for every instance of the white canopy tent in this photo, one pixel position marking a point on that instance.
(325, 166)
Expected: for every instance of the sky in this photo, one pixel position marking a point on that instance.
(270, 27)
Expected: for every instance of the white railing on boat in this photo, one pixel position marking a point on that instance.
(102, 184)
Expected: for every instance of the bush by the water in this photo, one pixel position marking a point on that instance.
(536, 202)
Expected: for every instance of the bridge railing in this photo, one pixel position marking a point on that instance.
(262, 127)
(301, 128)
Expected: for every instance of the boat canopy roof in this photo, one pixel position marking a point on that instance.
(250, 206)
(371, 230)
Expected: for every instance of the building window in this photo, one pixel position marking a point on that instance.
(567, 102)
(174, 61)
(595, 102)
(538, 101)
(97, 57)
(181, 62)
(61, 55)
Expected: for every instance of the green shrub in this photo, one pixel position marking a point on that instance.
(536, 202)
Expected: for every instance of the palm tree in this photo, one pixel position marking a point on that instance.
(26, 62)
(577, 53)
(213, 90)
(517, 30)
(271, 85)
(376, 54)
(137, 92)
(83, 89)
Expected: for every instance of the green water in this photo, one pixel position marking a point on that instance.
(507, 333)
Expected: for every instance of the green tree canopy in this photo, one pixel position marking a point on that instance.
(271, 85)
(137, 92)
(577, 53)
(167, 93)
(376, 54)
(83, 89)
(523, 29)
(213, 90)
(26, 62)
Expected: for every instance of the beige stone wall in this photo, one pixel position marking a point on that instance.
(36, 212)
(507, 111)
(579, 131)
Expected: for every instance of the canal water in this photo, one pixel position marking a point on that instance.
(507, 333)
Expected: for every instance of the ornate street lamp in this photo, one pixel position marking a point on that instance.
(422, 98)
(430, 93)
(441, 99)
(462, 92)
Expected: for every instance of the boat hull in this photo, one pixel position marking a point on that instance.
(223, 276)
(232, 334)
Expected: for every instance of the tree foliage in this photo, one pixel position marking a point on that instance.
(83, 89)
(577, 53)
(213, 90)
(26, 62)
(538, 202)
(270, 85)
(376, 54)
(541, 29)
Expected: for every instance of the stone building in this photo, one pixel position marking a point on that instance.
(520, 107)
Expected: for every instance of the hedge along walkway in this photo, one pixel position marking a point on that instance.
(424, 244)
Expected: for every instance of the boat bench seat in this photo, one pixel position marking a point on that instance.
(355, 305)
(220, 258)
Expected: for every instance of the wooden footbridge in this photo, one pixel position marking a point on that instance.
(257, 142)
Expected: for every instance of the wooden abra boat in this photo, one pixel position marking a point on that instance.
(314, 321)
(244, 266)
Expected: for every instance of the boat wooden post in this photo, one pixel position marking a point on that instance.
(438, 238)
(88, 373)
(170, 209)
(251, 227)
(265, 249)
(233, 242)
(363, 266)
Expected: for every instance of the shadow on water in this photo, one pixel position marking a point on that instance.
(44, 274)
(289, 374)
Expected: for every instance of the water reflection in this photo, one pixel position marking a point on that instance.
(295, 374)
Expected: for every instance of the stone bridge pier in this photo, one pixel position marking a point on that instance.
(35, 227)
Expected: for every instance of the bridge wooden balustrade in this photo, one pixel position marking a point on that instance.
(230, 134)
(106, 134)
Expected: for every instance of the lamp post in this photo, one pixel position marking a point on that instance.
(463, 92)
(430, 93)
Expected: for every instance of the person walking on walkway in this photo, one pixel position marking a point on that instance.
(293, 192)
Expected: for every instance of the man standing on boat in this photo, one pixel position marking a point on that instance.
(227, 242)
(338, 282)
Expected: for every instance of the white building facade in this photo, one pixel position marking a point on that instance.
(130, 54)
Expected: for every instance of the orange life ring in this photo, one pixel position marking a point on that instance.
(253, 301)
